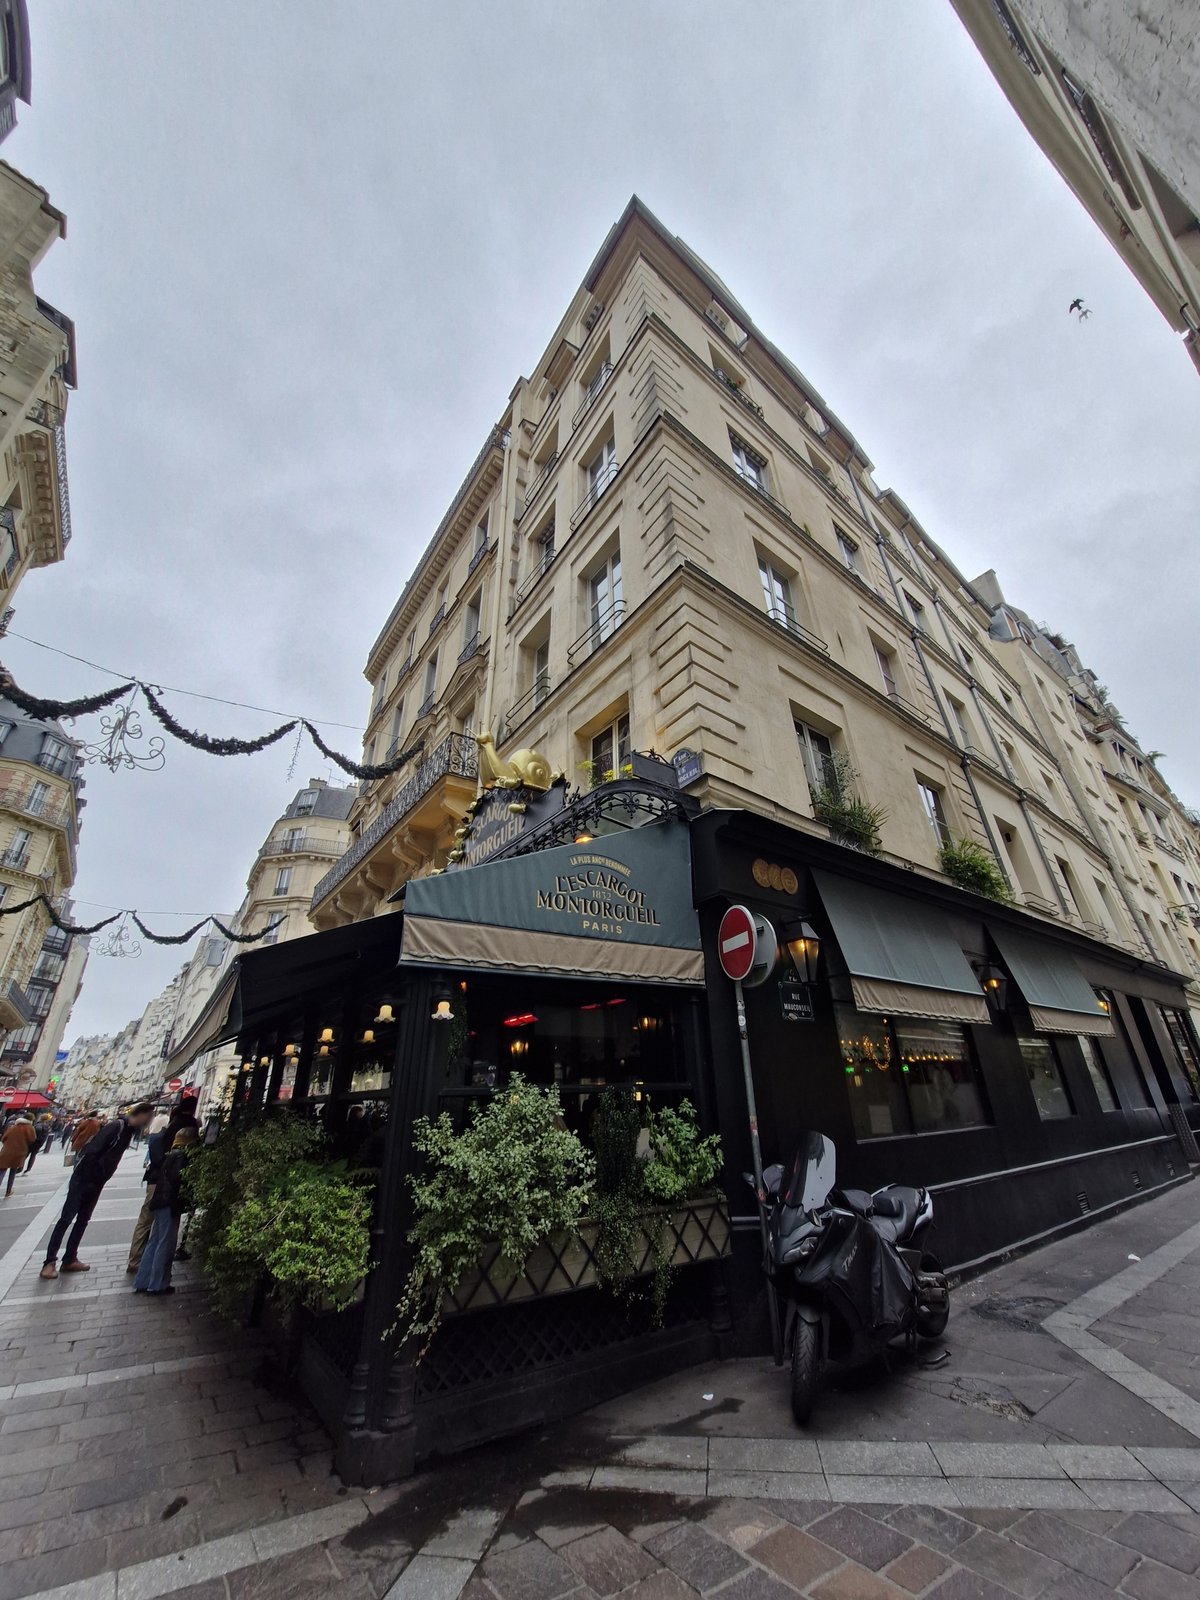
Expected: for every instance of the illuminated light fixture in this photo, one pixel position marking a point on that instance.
(324, 1050)
(385, 1016)
(518, 1047)
(442, 1012)
(264, 1061)
(614, 1002)
(326, 1037)
(368, 1036)
(462, 987)
(583, 838)
(523, 1021)
(1102, 1002)
(289, 1051)
(994, 984)
(804, 946)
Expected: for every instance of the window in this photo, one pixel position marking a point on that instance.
(541, 672)
(430, 689)
(4, 888)
(410, 646)
(293, 839)
(910, 1075)
(5, 729)
(471, 623)
(306, 802)
(777, 591)
(397, 724)
(816, 752)
(283, 880)
(1068, 878)
(848, 550)
(611, 749)
(380, 692)
(18, 849)
(1097, 1068)
(38, 796)
(1185, 1045)
(55, 755)
(931, 799)
(481, 535)
(607, 607)
(886, 662)
(915, 610)
(602, 469)
(272, 935)
(748, 464)
(958, 716)
(1044, 1071)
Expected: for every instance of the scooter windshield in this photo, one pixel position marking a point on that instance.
(813, 1174)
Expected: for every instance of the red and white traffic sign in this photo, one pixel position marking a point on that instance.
(174, 1086)
(737, 943)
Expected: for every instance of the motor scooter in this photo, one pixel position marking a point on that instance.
(851, 1272)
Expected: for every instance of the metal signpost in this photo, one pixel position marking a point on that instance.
(746, 948)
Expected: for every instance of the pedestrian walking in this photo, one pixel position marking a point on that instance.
(154, 1274)
(94, 1166)
(19, 1138)
(88, 1124)
(158, 1145)
(44, 1137)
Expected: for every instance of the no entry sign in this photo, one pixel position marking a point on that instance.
(175, 1085)
(737, 943)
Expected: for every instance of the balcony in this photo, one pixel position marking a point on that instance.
(603, 480)
(545, 562)
(1044, 907)
(784, 617)
(439, 616)
(471, 648)
(481, 554)
(539, 483)
(18, 860)
(736, 389)
(427, 704)
(529, 702)
(592, 393)
(300, 847)
(605, 625)
(456, 756)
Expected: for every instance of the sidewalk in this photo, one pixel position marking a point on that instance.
(1056, 1456)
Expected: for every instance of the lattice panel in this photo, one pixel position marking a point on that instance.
(536, 1334)
(339, 1335)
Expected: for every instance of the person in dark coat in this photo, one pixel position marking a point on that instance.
(157, 1147)
(94, 1166)
(154, 1274)
(45, 1136)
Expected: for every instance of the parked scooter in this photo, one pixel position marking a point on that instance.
(849, 1268)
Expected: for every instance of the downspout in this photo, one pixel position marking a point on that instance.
(504, 543)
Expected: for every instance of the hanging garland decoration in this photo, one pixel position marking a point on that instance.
(120, 743)
(120, 943)
(147, 933)
(112, 750)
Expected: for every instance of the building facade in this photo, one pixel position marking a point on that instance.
(1111, 90)
(29, 1054)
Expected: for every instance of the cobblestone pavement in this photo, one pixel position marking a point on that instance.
(144, 1450)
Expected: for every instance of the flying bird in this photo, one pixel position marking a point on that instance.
(1076, 305)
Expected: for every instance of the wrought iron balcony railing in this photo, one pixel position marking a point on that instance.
(481, 554)
(605, 625)
(524, 590)
(784, 617)
(439, 616)
(457, 755)
(471, 648)
(592, 393)
(527, 704)
(603, 480)
(427, 704)
(539, 483)
(300, 847)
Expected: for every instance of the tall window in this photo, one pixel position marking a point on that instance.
(931, 799)
(481, 535)
(18, 848)
(541, 672)
(397, 722)
(38, 796)
(848, 551)
(55, 755)
(410, 646)
(1097, 1068)
(958, 716)
(430, 688)
(816, 752)
(606, 602)
(915, 610)
(611, 749)
(293, 839)
(886, 662)
(471, 622)
(1044, 1071)
(380, 691)
(602, 469)
(777, 591)
(305, 802)
(747, 463)
(1068, 879)
(283, 880)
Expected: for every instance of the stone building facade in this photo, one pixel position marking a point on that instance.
(1110, 89)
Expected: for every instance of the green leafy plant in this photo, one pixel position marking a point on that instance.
(620, 1199)
(514, 1176)
(683, 1164)
(971, 867)
(851, 819)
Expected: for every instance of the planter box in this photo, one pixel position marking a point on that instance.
(699, 1231)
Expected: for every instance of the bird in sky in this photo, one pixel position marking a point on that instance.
(1076, 304)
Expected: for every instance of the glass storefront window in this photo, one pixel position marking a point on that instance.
(935, 1061)
(1044, 1071)
(1185, 1048)
(873, 1079)
(1093, 1060)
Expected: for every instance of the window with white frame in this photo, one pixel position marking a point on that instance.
(848, 550)
(283, 880)
(293, 839)
(430, 687)
(748, 463)
(915, 610)
(886, 662)
(958, 716)
(777, 592)
(605, 599)
(931, 799)
(38, 796)
(481, 535)
(611, 749)
(305, 802)
(471, 622)
(816, 752)
(397, 722)
(602, 469)
(541, 672)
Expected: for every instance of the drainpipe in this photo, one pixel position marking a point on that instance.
(506, 504)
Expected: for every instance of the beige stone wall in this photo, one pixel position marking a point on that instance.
(44, 862)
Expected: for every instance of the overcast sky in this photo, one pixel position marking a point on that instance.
(311, 248)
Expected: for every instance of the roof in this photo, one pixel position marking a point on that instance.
(331, 802)
(24, 742)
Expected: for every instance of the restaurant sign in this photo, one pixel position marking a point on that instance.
(619, 905)
(501, 817)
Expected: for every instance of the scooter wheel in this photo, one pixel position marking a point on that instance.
(932, 1324)
(806, 1361)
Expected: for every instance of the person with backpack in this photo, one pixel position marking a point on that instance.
(94, 1166)
(158, 1144)
(167, 1204)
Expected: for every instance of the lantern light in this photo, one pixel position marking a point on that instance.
(368, 1036)
(804, 946)
(442, 1012)
(326, 1037)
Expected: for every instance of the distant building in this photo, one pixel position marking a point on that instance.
(30, 1053)
(14, 62)
(1110, 89)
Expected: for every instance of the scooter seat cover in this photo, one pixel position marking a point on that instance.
(900, 1206)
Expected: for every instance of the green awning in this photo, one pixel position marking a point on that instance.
(1059, 997)
(901, 955)
(617, 906)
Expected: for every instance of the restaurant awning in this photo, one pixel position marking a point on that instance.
(1059, 997)
(210, 1026)
(618, 906)
(901, 956)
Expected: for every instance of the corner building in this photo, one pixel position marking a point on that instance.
(670, 547)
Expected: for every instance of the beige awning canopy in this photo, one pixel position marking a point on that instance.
(1059, 997)
(214, 1023)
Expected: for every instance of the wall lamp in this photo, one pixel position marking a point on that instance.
(994, 984)
(803, 946)
(441, 1009)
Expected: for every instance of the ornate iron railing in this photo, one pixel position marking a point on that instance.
(784, 617)
(457, 755)
(300, 847)
(485, 549)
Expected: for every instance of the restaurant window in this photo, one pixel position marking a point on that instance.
(748, 464)
(931, 799)
(611, 749)
(1097, 1069)
(908, 1075)
(1044, 1071)
(1185, 1045)
(816, 751)
(1108, 1002)
(777, 592)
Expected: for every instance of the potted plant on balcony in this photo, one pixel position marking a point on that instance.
(971, 867)
(850, 819)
